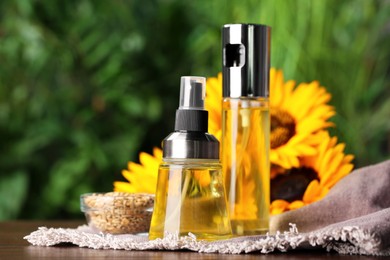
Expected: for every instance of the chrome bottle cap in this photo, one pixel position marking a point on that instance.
(190, 139)
(190, 145)
(246, 60)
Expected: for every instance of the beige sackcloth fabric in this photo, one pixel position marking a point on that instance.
(354, 218)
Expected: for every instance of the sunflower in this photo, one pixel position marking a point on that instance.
(296, 115)
(141, 177)
(311, 181)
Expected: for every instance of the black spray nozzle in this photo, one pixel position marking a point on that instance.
(246, 60)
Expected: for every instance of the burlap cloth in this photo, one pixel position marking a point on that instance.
(354, 218)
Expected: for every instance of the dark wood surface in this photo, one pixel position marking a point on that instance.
(13, 246)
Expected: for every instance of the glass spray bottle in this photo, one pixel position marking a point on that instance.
(190, 195)
(246, 126)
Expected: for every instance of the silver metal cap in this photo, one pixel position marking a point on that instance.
(194, 145)
(246, 60)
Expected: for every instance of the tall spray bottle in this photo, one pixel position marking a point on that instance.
(246, 126)
(190, 195)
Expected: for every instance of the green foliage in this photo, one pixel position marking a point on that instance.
(13, 188)
(85, 85)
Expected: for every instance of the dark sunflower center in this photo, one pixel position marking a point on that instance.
(282, 127)
(292, 185)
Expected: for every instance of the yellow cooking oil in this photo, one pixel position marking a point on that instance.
(245, 160)
(190, 199)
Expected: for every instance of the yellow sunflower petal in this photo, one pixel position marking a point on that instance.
(283, 159)
(348, 158)
(333, 165)
(276, 79)
(323, 98)
(311, 125)
(305, 150)
(144, 183)
(135, 167)
(323, 192)
(296, 205)
(120, 186)
(342, 172)
(278, 206)
(311, 191)
(151, 162)
(157, 152)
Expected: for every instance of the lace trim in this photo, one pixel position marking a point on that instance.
(346, 240)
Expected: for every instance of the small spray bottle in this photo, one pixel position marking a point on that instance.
(190, 195)
(246, 126)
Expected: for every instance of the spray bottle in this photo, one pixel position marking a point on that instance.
(190, 195)
(246, 126)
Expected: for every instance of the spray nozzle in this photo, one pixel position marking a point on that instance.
(192, 93)
(191, 115)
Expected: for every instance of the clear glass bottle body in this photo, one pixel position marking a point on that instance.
(190, 198)
(245, 160)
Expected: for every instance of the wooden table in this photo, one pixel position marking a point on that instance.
(13, 246)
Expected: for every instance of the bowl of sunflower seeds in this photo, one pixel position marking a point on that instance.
(118, 212)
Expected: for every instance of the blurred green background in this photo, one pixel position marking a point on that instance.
(87, 84)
